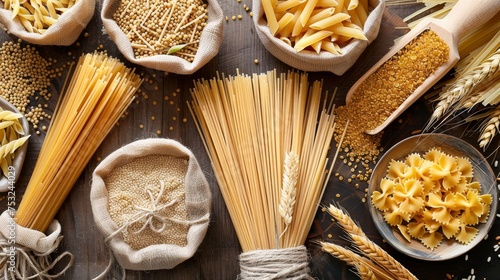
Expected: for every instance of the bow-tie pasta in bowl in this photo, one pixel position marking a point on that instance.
(432, 196)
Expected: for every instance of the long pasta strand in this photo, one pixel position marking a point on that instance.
(248, 124)
(99, 92)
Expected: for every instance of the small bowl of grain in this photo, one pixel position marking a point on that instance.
(318, 37)
(172, 36)
(433, 196)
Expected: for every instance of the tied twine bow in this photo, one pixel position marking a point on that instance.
(153, 215)
(150, 216)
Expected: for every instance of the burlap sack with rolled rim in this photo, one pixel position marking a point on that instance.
(198, 203)
(210, 42)
(324, 61)
(64, 32)
(30, 239)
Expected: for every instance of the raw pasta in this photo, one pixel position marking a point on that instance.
(11, 132)
(37, 16)
(432, 197)
(319, 25)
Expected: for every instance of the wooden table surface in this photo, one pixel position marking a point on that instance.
(217, 257)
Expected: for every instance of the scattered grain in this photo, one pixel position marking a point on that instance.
(383, 91)
(26, 77)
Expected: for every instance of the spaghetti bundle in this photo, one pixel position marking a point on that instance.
(261, 133)
(100, 90)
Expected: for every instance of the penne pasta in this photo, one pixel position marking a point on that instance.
(38, 15)
(272, 22)
(329, 21)
(347, 32)
(311, 39)
(306, 13)
(286, 5)
(352, 5)
(300, 23)
(362, 14)
(326, 3)
(317, 46)
(284, 21)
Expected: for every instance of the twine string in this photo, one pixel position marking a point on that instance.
(150, 217)
(153, 215)
(30, 264)
(287, 263)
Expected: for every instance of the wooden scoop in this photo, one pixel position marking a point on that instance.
(465, 16)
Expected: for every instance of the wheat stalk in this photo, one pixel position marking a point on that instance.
(381, 257)
(490, 128)
(354, 259)
(289, 189)
(465, 84)
(470, 100)
(345, 221)
(364, 272)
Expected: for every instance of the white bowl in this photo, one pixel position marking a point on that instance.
(453, 146)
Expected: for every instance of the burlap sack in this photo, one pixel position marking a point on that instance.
(324, 61)
(27, 252)
(210, 42)
(63, 33)
(197, 199)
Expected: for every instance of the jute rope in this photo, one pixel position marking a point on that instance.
(287, 263)
(149, 217)
(29, 263)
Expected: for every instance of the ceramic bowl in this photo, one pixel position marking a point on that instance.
(20, 153)
(483, 173)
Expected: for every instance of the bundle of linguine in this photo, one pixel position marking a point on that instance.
(268, 138)
(100, 90)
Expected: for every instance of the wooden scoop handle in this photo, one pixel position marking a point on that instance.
(468, 15)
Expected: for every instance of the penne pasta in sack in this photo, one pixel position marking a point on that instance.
(318, 35)
(50, 22)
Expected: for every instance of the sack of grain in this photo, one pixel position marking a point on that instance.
(168, 38)
(61, 29)
(151, 201)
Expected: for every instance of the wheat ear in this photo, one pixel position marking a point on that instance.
(345, 221)
(354, 259)
(364, 272)
(381, 257)
(289, 189)
(464, 85)
(490, 128)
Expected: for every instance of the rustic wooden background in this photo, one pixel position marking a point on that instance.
(217, 257)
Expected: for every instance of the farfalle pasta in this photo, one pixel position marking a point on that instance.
(432, 196)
